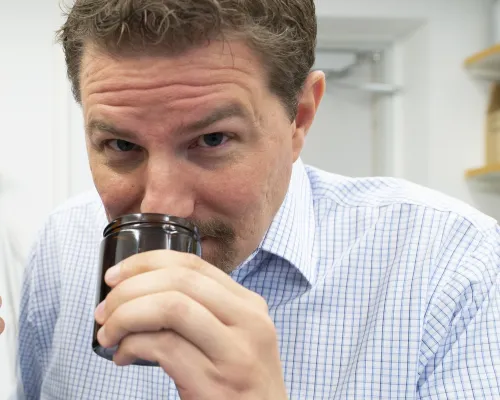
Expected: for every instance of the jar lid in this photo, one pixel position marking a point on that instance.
(149, 218)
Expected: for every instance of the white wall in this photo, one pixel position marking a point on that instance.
(343, 128)
(27, 113)
(441, 113)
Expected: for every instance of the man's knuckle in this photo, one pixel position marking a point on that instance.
(261, 303)
(174, 307)
(194, 262)
(116, 323)
(169, 344)
(117, 296)
(137, 264)
(270, 335)
(182, 279)
(119, 316)
(128, 346)
(265, 332)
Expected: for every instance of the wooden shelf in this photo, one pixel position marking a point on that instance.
(488, 174)
(485, 64)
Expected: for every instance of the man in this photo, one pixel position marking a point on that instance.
(311, 286)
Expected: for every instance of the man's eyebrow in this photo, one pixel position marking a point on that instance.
(97, 125)
(232, 110)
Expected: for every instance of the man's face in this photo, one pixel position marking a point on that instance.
(198, 136)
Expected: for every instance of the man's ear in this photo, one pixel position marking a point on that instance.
(308, 104)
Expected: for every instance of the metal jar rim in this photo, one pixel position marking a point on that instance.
(132, 219)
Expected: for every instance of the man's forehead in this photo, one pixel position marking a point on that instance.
(110, 77)
(217, 54)
(194, 74)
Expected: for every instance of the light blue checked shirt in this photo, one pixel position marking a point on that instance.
(379, 289)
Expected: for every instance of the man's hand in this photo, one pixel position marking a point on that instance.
(212, 336)
(2, 323)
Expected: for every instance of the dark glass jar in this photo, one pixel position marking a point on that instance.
(139, 233)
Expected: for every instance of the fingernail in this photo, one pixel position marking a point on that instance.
(99, 311)
(112, 275)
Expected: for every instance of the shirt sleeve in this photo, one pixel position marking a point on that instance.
(460, 348)
(29, 357)
(38, 313)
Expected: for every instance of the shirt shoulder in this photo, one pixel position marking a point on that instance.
(80, 215)
(381, 193)
(87, 202)
(80, 219)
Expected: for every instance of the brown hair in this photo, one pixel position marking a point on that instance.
(281, 32)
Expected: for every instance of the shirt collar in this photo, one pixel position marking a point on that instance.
(291, 234)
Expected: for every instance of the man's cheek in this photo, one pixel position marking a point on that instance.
(119, 196)
(242, 194)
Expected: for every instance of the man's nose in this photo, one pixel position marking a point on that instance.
(168, 190)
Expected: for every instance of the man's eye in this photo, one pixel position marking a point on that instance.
(212, 140)
(121, 146)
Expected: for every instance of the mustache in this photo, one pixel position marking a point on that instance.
(215, 228)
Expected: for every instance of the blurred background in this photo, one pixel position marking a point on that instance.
(411, 94)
